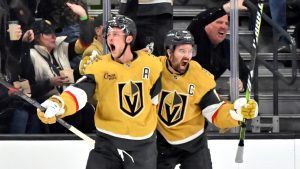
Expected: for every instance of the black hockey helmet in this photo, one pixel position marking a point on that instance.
(122, 22)
(178, 37)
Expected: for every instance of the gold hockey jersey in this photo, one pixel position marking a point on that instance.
(127, 95)
(186, 100)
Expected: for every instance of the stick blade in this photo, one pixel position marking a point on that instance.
(239, 154)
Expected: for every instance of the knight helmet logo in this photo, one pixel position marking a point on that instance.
(172, 107)
(131, 97)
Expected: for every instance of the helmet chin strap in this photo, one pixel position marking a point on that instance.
(126, 44)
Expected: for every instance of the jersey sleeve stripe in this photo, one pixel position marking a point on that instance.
(210, 112)
(79, 96)
(216, 113)
(74, 98)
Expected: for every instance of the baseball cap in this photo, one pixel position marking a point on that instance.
(41, 26)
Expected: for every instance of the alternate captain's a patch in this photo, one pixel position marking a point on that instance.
(172, 107)
(131, 97)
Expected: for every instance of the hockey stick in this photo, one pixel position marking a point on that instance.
(38, 105)
(240, 150)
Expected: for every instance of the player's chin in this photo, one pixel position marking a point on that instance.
(182, 68)
(114, 55)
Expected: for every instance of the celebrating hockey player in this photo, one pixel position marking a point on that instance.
(126, 85)
(189, 97)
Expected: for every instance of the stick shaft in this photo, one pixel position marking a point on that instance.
(240, 151)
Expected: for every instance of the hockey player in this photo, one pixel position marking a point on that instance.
(189, 97)
(127, 85)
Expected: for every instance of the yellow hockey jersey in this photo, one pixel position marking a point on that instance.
(186, 100)
(127, 95)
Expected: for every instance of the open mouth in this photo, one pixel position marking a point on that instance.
(221, 33)
(184, 63)
(112, 47)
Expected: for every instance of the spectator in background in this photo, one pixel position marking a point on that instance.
(24, 10)
(89, 53)
(213, 49)
(49, 56)
(97, 44)
(65, 22)
(12, 107)
(17, 115)
(9, 58)
(153, 19)
(4, 114)
(278, 14)
(23, 120)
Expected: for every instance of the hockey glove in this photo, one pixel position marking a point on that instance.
(150, 47)
(244, 110)
(86, 60)
(54, 107)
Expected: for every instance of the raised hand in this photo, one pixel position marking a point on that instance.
(240, 6)
(86, 60)
(77, 9)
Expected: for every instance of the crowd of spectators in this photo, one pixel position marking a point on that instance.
(44, 49)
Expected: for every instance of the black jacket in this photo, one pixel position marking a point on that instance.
(3, 96)
(9, 50)
(58, 12)
(216, 59)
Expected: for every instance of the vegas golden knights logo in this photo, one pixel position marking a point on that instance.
(131, 97)
(172, 107)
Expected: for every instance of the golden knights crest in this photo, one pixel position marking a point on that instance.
(131, 97)
(172, 107)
